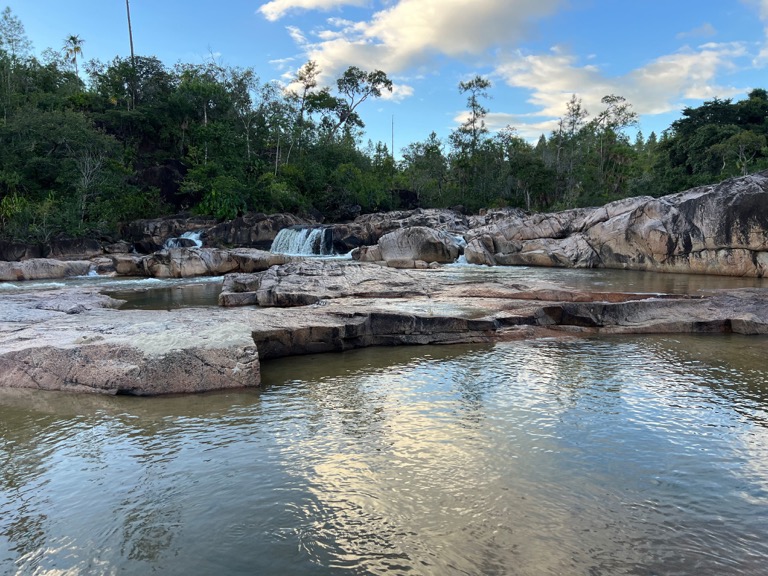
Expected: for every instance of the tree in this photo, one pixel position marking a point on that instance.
(473, 128)
(467, 138)
(14, 48)
(73, 47)
(306, 81)
(354, 86)
(425, 169)
(568, 142)
(130, 38)
(13, 38)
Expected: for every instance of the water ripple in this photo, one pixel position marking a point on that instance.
(620, 456)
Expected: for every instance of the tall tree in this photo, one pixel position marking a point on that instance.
(130, 38)
(14, 48)
(73, 47)
(474, 126)
(466, 140)
(354, 86)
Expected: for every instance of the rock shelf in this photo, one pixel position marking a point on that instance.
(76, 340)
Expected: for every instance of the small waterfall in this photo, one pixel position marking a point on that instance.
(302, 241)
(186, 240)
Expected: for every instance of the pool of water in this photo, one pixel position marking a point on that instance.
(600, 279)
(639, 455)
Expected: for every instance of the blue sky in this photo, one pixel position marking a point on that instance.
(661, 55)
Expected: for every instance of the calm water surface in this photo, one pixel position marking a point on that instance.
(598, 457)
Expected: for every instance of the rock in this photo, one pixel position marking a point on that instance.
(15, 251)
(41, 269)
(74, 249)
(309, 282)
(367, 254)
(418, 243)
(375, 328)
(189, 263)
(128, 264)
(54, 342)
(192, 262)
(720, 229)
(148, 236)
(121, 247)
(253, 260)
(253, 230)
(366, 230)
(73, 339)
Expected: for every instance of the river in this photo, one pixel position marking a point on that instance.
(599, 456)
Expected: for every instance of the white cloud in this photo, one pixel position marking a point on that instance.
(278, 8)
(408, 34)
(408, 37)
(655, 88)
(399, 93)
(702, 31)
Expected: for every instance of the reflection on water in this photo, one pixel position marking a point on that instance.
(600, 279)
(605, 456)
(166, 297)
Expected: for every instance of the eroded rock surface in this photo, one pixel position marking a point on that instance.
(366, 230)
(41, 269)
(720, 229)
(74, 341)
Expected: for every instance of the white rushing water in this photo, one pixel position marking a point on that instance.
(301, 241)
(194, 235)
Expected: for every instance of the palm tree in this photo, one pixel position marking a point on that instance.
(73, 47)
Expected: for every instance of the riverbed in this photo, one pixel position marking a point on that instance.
(631, 455)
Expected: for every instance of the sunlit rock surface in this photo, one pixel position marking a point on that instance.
(720, 229)
(73, 339)
(42, 268)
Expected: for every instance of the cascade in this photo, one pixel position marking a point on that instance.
(299, 240)
(186, 240)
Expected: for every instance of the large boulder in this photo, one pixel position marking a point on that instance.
(366, 230)
(189, 263)
(192, 262)
(419, 243)
(719, 229)
(309, 282)
(15, 251)
(42, 268)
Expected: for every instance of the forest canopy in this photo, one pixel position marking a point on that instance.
(86, 145)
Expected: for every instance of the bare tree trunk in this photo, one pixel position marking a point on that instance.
(133, 58)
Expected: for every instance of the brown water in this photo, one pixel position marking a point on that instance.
(597, 457)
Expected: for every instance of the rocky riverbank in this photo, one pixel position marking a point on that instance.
(391, 293)
(720, 229)
(76, 340)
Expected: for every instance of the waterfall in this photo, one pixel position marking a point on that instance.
(186, 240)
(299, 240)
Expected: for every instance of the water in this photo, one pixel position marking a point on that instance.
(194, 236)
(168, 295)
(641, 455)
(302, 241)
(598, 279)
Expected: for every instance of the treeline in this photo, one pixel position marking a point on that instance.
(140, 139)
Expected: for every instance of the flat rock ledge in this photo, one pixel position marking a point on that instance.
(77, 340)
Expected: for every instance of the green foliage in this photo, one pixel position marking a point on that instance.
(140, 139)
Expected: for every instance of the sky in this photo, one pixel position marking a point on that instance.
(661, 55)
